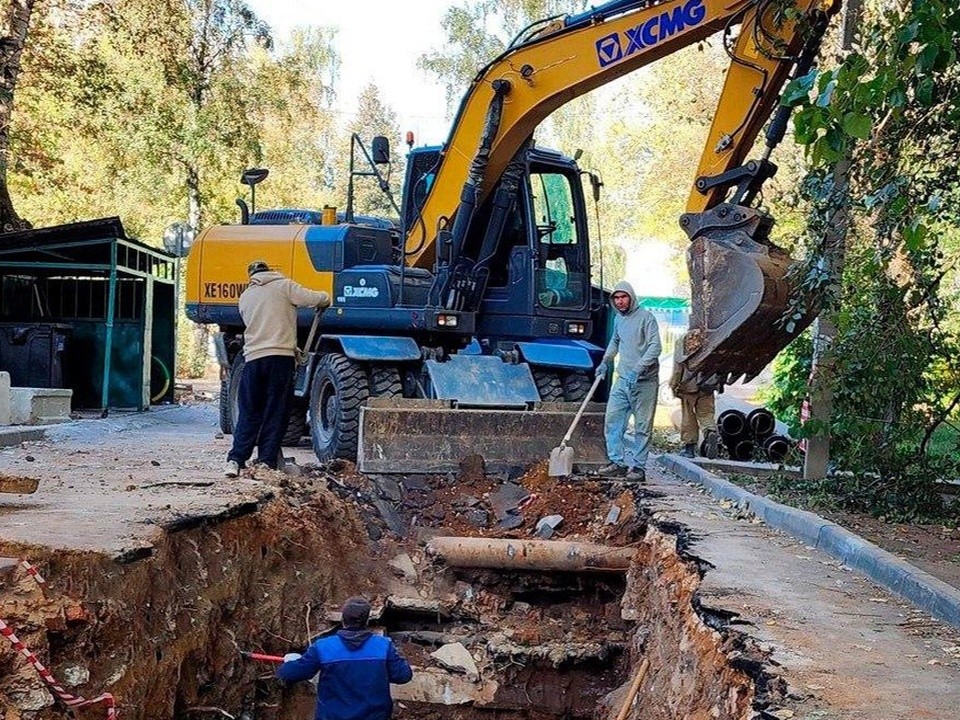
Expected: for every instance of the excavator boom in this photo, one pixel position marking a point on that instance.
(735, 296)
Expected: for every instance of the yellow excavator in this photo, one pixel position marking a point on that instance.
(470, 323)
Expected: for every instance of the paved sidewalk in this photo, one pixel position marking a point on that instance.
(928, 593)
(847, 648)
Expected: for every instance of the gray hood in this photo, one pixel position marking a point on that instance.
(624, 286)
(264, 278)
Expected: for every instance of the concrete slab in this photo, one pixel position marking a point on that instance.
(39, 406)
(107, 485)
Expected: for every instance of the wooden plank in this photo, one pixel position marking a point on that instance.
(18, 485)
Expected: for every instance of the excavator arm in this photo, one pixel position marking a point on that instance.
(735, 294)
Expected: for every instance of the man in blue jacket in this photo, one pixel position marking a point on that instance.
(356, 668)
(636, 339)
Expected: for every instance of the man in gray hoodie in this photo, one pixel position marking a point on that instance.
(268, 308)
(636, 339)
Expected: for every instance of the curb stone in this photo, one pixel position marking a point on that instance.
(15, 436)
(927, 592)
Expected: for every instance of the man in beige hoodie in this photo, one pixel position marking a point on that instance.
(268, 308)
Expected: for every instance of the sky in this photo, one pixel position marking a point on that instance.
(379, 41)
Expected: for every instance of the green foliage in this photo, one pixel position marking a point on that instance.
(150, 113)
(881, 131)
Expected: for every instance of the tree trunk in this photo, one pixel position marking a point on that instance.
(16, 23)
(194, 206)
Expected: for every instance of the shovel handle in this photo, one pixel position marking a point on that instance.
(261, 657)
(583, 406)
(308, 345)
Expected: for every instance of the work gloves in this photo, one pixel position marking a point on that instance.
(290, 657)
(602, 370)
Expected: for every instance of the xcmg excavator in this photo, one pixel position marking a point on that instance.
(455, 330)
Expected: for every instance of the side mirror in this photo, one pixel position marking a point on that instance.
(380, 149)
(253, 176)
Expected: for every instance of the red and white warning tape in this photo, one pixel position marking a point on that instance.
(34, 573)
(70, 700)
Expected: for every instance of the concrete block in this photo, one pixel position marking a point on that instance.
(40, 406)
(5, 398)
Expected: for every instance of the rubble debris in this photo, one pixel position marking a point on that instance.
(472, 470)
(613, 515)
(456, 658)
(18, 485)
(546, 526)
(388, 488)
(404, 565)
(438, 687)
(506, 499)
(555, 653)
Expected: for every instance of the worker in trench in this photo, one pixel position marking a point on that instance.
(697, 407)
(636, 340)
(268, 308)
(356, 669)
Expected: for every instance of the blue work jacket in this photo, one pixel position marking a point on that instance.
(356, 668)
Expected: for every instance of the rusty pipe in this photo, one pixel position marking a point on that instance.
(543, 555)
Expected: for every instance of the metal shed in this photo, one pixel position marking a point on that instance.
(110, 297)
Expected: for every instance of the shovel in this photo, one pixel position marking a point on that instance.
(561, 457)
(303, 358)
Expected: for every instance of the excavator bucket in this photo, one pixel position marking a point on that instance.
(433, 436)
(484, 407)
(740, 294)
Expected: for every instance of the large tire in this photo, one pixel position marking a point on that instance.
(226, 416)
(385, 381)
(233, 396)
(576, 385)
(340, 388)
(548, 385)
(297, 425)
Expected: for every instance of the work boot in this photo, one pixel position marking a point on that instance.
(613, 470)
(231, 469)
(711, 444)
(688, 451)
(636, 475)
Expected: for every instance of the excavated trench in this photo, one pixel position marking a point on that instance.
(163, 631)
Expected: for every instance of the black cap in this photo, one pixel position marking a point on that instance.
(257, 266)
(355, 613)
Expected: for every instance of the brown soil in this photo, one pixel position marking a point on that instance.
(163, 632)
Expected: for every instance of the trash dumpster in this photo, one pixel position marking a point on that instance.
(33, 353)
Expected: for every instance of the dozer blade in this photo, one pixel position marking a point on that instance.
(740, 294)
(430, 436)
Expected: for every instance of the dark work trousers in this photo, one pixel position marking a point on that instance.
(266, 388)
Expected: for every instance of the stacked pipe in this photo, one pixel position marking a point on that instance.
(743, 435)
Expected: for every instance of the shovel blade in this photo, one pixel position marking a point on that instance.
(561, 462)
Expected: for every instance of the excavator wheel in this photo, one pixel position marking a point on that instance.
(548, 385)
(225, 406)
(340, 388)
(576, 385)
(297, 425)
(233, 394)
(385, 381)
